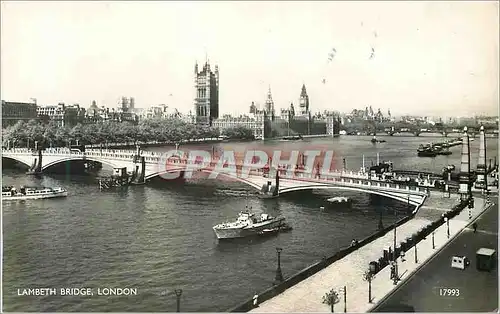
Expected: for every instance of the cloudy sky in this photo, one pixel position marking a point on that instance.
(429, 58)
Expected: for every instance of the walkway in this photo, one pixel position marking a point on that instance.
(478, 289)
(307, 295)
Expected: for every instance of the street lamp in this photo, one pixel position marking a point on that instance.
(368, 276)
(178, 293)
(279, 275)
(416, 258)
(345, 299)
(448, 226)
(433, 244)
(394, 267)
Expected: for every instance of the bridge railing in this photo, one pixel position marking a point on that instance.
(17, 151)
(356, 182)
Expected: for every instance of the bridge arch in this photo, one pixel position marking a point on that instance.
(388, 194)
(182, 168)
(72, 158)
(20, 160)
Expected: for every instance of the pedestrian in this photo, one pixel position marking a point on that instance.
(474, 226)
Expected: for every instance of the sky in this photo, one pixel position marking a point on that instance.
(430, 58)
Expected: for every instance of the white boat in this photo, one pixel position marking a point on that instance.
(339, 200)
(247, 225)
(11, 193)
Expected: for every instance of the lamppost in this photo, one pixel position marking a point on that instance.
(448, 226)
(433, 244)
(345, 299)
(416, 258)
(395, 275)
(178, 293)
(368, 277)
(279, 275)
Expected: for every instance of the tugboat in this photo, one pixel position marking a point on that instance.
(426, 151)
(11, 193)
(248, 225)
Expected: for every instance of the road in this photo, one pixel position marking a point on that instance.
(478, 290)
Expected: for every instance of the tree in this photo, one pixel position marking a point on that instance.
(368, 276)
(77, 134)
(16, 134)
(239, 132)
(331, 298)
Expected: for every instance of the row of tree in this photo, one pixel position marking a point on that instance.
(26, 134)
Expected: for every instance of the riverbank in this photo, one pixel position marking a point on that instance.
(348, 271)
(132, 145)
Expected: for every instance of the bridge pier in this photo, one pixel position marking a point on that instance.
(139, 170)
(36, 167)
(272, 190)
(481, 181)
(464, 176)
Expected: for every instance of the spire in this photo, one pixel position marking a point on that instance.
(303, 93)
(464, 178)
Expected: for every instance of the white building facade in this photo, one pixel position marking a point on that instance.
(255, 122)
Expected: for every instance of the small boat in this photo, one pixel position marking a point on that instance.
(282, 228)
(339, 201)
(247, 225)
(426, 151)
(444, 152)
(374, 140)
(292, 138)
(11, 193)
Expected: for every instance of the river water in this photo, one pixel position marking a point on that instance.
(158, 237)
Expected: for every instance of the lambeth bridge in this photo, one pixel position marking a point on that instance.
(148, 165)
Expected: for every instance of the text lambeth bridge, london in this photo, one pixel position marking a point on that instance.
(254, 170)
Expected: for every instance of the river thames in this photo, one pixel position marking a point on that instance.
(158, 237)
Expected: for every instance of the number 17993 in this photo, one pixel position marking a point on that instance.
(449, 292)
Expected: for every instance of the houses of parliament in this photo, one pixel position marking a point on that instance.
(265, 122)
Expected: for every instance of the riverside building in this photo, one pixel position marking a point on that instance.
(17, 111)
